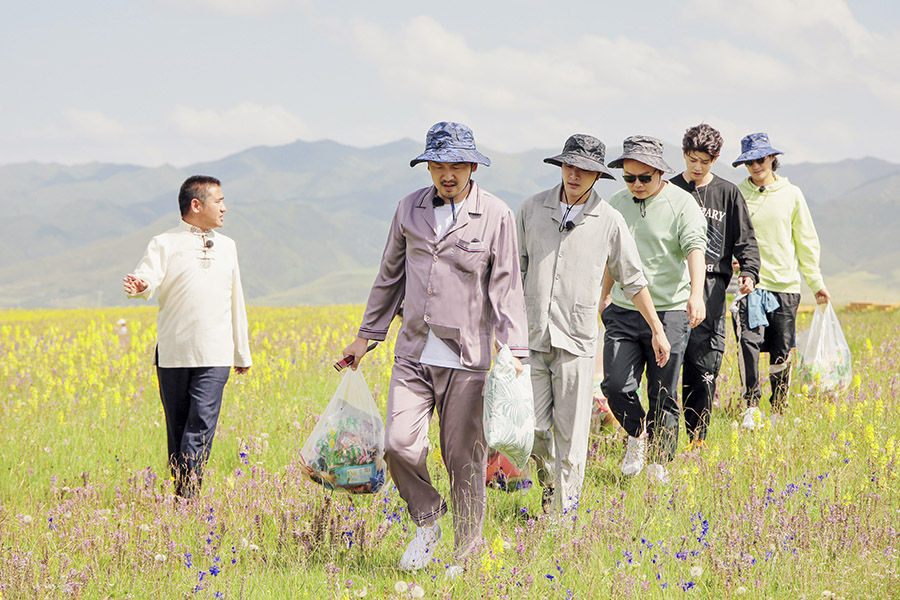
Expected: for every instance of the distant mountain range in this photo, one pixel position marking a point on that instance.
(310, 219)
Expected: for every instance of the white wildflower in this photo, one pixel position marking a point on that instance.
(696, 571)
(144, 527)
(417, 592)
(160, 558)
(362, 592)
(740, 591)
(401, 587)
(27, 519)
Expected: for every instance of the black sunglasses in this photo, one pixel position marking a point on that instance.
(758, 161)
(641, 178)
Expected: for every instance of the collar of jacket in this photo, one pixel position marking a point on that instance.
(552, 199)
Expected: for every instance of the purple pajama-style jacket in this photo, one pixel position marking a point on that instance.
(466, 287)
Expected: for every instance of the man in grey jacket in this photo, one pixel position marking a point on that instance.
(567, 237)
(451, 259)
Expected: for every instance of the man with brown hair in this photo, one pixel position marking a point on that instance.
(729, 233)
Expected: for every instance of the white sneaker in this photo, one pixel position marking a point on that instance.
(634, 457)
(752, 418)
(658, 474)
(454, 571)
(421, 549)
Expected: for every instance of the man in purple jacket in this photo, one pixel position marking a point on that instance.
(451, 259)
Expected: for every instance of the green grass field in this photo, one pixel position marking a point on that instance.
(805, 508)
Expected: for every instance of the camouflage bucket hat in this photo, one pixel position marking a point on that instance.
(449, 142)
(585, 152)
(753, 146)
(644, 149)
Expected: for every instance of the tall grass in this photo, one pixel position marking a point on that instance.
(807, 507)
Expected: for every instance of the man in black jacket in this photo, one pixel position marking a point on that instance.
(729, 233)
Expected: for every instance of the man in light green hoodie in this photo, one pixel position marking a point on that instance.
(765, 321)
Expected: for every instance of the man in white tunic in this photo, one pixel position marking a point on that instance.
(201, 326)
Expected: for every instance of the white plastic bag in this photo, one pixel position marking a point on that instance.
(823, 355)
(345, 450)
(509, 409)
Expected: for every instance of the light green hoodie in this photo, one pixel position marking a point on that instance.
(786, 236)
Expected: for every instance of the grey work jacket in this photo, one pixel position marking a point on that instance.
(562, 271)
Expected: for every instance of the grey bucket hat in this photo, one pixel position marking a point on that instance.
(644, 149)
(585, 152)
(449, 142)
(753, 146)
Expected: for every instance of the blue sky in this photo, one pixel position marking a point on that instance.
(182, 81)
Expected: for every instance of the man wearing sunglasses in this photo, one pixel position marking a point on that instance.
(670, 232)
(729, 233)
(787, 238)
(568, 236)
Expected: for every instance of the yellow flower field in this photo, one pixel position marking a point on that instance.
(804, 505)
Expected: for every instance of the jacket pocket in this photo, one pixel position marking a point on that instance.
(469, 256)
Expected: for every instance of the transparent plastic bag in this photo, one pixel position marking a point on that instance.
(509, 409)
(345, 450)
(823, 355)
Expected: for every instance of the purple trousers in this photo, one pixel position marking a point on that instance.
(417, 392)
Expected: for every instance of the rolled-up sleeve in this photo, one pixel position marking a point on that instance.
(624, 260)
(692, 229)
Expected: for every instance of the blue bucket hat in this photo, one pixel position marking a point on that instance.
(449, 142)
(753, 146)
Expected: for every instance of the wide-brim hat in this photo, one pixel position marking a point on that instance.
(644, 149)
(585, 152)
(449, 142)
(753, 146)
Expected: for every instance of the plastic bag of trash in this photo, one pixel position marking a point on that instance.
(823, 356)
(345, 450)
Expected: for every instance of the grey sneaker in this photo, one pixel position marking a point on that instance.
(658, 473)
(752, 418)
(421, 549)
(634, 456)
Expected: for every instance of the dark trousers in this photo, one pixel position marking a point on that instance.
(191, 398)
(777, 338)
(703, 359)
(627, 349)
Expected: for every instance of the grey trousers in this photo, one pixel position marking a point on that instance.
(563, 386)
(416, 393)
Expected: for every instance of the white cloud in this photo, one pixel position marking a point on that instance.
(246, 122)
(89, 123)
(424, 61)
(246, 7)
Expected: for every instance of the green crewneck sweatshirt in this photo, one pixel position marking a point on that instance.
(666, 228)
(786, 236)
